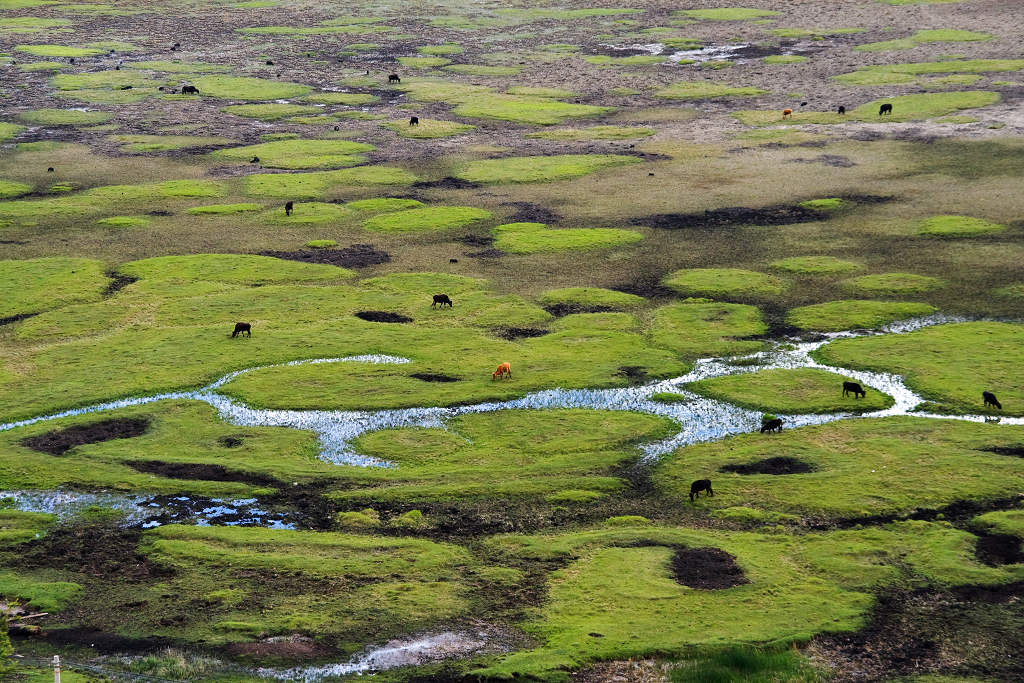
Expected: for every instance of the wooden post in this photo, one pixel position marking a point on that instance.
(56, 669)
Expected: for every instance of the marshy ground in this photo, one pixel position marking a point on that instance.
(611, 197)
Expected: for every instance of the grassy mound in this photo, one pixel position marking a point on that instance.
(922, 37)
(957, 226)
(298, 154)
(223, 209)
(976, 357)
(835, 316)
(9, 130)
(124, 222)
(590, 297)
(790, 392)
(594, 133)
(427, 218)
(483, 70)
(382, 205)
(785, 59)
(700, 329)
(446, 49)
(269, 112)
(725, 282)
(540, 169)
(10, 189)
(34, 285)
(233, 268)
(308, 212)
(704, 90)
(423, 62)
(428, 129)
(166, 143)
(1009, 522)
(815, 265)
(531, 238)
(64, 117)
(247, 88)
(58, 51)
(894, 283)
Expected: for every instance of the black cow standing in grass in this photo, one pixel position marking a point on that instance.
(842, 111)
(772, 426)
(885, 109)
(441, 299)
(393, 78)
(698, 486)
(853, 388)
(189, 90)
(414, 121)
(991, 400)
(288, 208)
(241, 328)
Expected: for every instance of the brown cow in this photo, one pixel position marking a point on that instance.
(787, 113)
(503, 370)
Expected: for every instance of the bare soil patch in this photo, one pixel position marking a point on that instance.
(513, 333)
(447, 183)
(16, 318)
(562, 310)
(354, 256)
(383, 317)
(432, 377)
(527, 212)
(636, 374)
(706, 569)
(60, 441)
(732, 217)
(776, 465)
(103, 642)
(187, 470)
(999, 549)
(1015, 451)
(117, 283)
(486, 253)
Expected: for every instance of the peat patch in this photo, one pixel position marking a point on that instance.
(998, 549)
(60, 441)
(103, 642)
(188, 470)
(513, 333)
(476, 240)
(1015, 451)
(355, 256)
(777, 465)
(562, 310)
(527, 212)
(448, 183)
(732, 217)
(706, 569)
(383, 317)
(16, 318)
(229, 441)
(648, 287)
(432, 377)
(117, 283)
(636, 374)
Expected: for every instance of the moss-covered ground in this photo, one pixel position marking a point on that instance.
(790, 392)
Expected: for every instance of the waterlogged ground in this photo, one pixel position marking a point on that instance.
(615, 204)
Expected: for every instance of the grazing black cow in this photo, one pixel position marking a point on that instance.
(71, 61)
(441, 299)
(853, 388)
(288, 208)
(242, 328)
(772, 426)
(337, 128)
(991, 400)
(698, 486)
(414, 121)
(453, 260)
(254, 160)
(189, 90)
(393, 78)
(885, 109)
(803, 104)
(842, 111)
(50, 170)
(126, 87)
(270, 62)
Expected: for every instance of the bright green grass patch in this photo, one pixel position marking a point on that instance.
(955, 79)
(727, 14)
(308, 212)
(873, 77)
(124, 222)
(423, 62)
(168, 188)
(701, 90)
(382, 205)
(669, 397)
(520, 109)
(936, 462)
(894, 283)
(928, 36)
(10, 189)
(35, 285)
(232, 268)
(6, 5)
(165, 143)
(18, 527)
(905, 108)
(751, 665)
(483, 70)
(30, 24)
(590, 297)
(314, 185)
(58, 51)
(785, 59)
(633, 60)
(1010, 522)
(247, 88)
(223, 209)
(815, 265)
(539, 91)
(427, 218)
(975, 357)
(612, 322)
(64, 117)
(428, 129)
(700, 329)
(531, 238)
(101, 79)
(40, 596)
(835, 316)
(725, 282)
(825, 204)
(298, 154)
(790, 392)
(969, 66)
(350, 99)
(446, 49)
(594, 133)
(540, 168)
(321, 244)
(107, 96)
(42, 66)
(957, 226)
(182, 67)
(9, 130)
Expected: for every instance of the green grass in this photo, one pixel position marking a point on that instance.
(321, 244)
(101, 79)
(428, 129)
(701, 328)
(31, 24)
(923, 37)
(790, 392)
(976, 357)
(10, 189)
(815, 265)
(954, 80)
(232, 268)
(594, 133)
(42, 66)
(382, 205)
(540, 91)
(587, 297)
(269, 112)
(349, 99)
(953, 66)
(426, 219)
(1014, 291)
(905, 108)
(540, 168)
(520, 109)
(39, 596)
(306, 213)
(957, 226)
(785, 59)
(35, 285)
(1010, 522)
(826, 204)
(634, 60)
(727, 14)
(725, 282)
(166, 143)
(752, 665)
(223, 209)
(483, 70)
(298, 154)
(18, 527)
(834, 316)
(64, 117)
(124, 222)
(9, 131)
(894, 283)
(317, 184)
(423, 62)
(182, 67)
(58, 51)
(531, 238)
(874, 77)
(247, 88)
(703, 90)
(446, 49)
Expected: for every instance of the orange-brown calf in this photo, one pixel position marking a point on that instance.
(503, 369)
(787, 113)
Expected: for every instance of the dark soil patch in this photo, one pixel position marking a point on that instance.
(527, 212)
(102, 642)
(562, 310)
(162, 212)
(60, 441)
(998, 549)
(636, 374)
(1016, 451)
(649, 288)
(777, 465)
(706, 569)
(101, 548)
(229, 441)
(609, 51)
(513, 333)
(486, 253)
(834, 160)
(290, 649)
(355, 256)
(448, 183)
(731, 217)
(117, 283)
(958, 514)
(383, 317)
(476, 240)
(431, 377)
(16, 318)
(187, 470)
